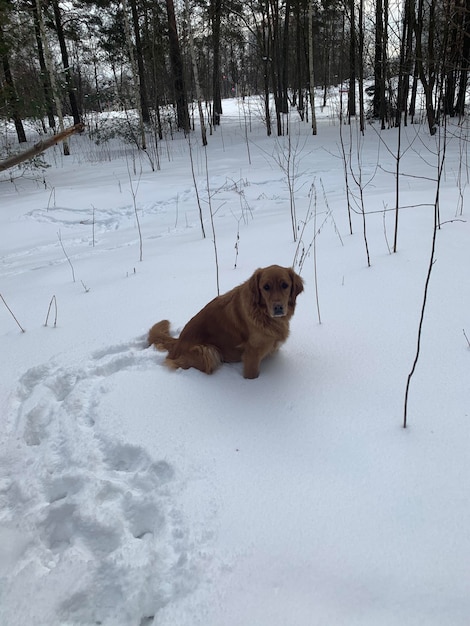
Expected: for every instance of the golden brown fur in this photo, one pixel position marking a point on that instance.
(245, 324)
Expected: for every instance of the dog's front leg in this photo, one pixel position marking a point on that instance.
(251, 362)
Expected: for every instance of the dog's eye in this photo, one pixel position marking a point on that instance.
(284, 285)
(267, 287)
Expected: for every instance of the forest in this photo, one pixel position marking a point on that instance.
(167, 62)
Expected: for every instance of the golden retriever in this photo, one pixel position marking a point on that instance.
(246, 324)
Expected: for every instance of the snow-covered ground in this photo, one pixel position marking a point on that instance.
(132, 495)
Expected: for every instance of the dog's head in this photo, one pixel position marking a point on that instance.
(276, 288)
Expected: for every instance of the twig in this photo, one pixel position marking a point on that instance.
(134, 202)
(330, 213)
(66, 255)
(315, 273)
(201, 219)
(385, 230)
(452, 221)
(12, 314)
(211, 212)
(237, 242)
(53, 300)
(93, 226)
(465, 335)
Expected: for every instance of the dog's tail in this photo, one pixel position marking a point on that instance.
(202, 357)
(159, 336)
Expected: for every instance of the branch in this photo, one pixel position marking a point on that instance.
(13, 315)
(39, 147)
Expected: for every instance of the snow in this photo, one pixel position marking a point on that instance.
(133, 495)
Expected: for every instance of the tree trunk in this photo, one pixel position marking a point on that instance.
(65, 61)
(192, 52)
(135, 75)
(464, 63)
(352, 62)
(140, 64)
(11, 95)
(274, 31)
(404, 71)
(285, 61)
(378, 103)
(311, 66)
(216, 15)
(427, 77)
(50, 70)
(361, 68)
(451, 43)
(299, 73)
(176, 61)
(266, 55)
(46, 86)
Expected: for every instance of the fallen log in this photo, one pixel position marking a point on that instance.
(39, 147)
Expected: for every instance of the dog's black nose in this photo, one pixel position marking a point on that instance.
(278, 310)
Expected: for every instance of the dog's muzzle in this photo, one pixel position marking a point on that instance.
(278, 310)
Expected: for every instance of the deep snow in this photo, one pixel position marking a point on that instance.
(132, 495)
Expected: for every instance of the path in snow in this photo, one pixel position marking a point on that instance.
(88, 509)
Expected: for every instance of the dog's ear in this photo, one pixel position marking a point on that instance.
(297, 285)
(253, 285)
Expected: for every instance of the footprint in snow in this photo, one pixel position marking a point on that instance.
(90, 501)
